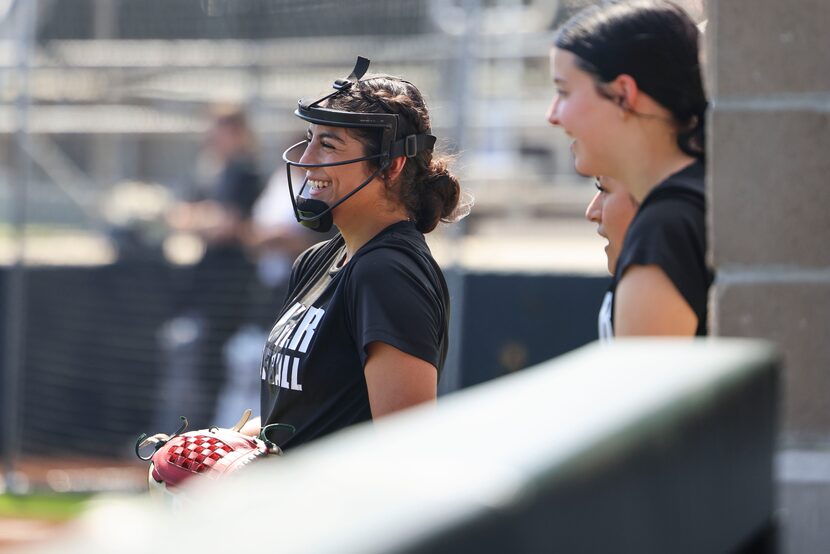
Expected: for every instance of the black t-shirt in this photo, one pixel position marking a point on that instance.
(391, 291)
(236, 187)
(669, 231)
(239, 186)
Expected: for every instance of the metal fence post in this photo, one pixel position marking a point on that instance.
(25, 16)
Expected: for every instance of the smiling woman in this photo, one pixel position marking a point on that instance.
(363, 330)
(629, 93)
(612, 209)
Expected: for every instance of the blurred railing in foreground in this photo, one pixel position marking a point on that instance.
(641, 446)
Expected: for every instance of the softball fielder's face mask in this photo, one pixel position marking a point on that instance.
(316, 214)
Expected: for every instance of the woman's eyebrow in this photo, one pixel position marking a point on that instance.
(333, 136)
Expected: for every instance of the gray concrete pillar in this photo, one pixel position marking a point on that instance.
(768, 73)
(769, 186)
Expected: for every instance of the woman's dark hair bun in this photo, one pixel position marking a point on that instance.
(438, 196)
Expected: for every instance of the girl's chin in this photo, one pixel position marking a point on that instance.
(582, 172)
(581, 167)
(585, 168)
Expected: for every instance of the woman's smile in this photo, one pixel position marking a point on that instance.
(317, 186)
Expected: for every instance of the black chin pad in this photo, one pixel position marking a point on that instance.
(309, 210)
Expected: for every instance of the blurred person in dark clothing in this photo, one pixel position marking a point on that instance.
(226, 184)
(217, 208)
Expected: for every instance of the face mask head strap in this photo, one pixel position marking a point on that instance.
(339, 85)
(388, 123)
(385, 122)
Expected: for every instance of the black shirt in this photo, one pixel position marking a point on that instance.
(669, 231)
(391, 291)
(237, 186)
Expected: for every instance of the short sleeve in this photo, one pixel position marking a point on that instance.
(395, 301)
(670, 233)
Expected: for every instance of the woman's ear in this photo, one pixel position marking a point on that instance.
(626, 92)
(395, 168)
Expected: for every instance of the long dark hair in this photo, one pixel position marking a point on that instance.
(425, 187)
(657, 44)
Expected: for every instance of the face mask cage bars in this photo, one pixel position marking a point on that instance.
(408, 146)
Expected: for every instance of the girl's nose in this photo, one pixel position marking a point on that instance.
(552, 115)
(594, 211)
(309, 156)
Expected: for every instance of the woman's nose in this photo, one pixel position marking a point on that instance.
(309, 154)
(594, 211)
(552, 115)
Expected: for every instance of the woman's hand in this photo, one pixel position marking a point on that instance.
(252, 427)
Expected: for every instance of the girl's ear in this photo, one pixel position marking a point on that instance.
(626, 92)
(395, 168)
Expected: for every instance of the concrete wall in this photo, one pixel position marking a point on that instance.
(769, 79)
(769, 141)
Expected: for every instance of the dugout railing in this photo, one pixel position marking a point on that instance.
(640, 446)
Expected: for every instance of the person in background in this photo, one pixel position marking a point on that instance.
(217, 208)
(226, 183)
(612, 209)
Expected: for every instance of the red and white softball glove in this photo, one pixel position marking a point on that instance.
(208, 453)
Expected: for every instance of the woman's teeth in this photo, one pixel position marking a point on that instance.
(318, 185)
